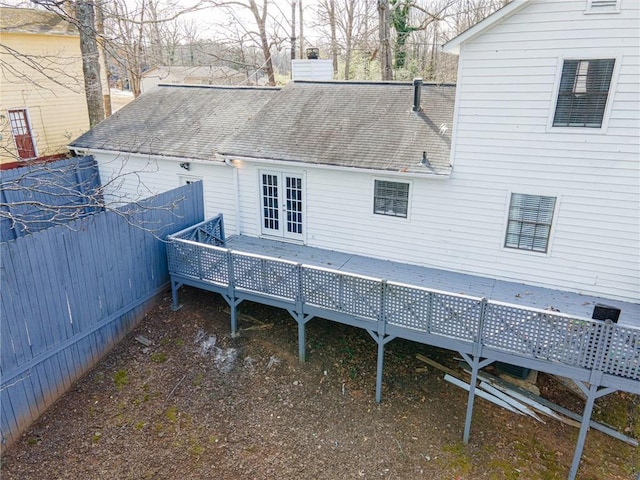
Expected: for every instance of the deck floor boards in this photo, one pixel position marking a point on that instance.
(455, 282)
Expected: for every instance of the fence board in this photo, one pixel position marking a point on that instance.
(104, 271)
(64, 182)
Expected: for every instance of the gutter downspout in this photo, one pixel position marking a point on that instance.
(236, 192)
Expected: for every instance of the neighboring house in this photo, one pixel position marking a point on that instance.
(42, 103)
(533, 178)
(207, 75)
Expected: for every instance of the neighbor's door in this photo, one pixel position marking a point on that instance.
(22, 135)
(282, 205)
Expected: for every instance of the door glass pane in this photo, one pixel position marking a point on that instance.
(270, 208)
(294, 204)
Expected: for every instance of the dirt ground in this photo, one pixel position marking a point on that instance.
(198, 404)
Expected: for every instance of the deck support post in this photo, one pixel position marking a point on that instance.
(476, 364)
(175, 304)
(592, 394)
(381, 340)
(302, 321)
(233, 307)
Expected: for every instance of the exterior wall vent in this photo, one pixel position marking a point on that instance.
(605, 312)
(603, 6)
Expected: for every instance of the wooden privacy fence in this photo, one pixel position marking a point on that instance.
(44, 194)
(71, 292)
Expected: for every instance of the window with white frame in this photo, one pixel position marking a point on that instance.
(391, 198)
(529, 224)
(583, 93)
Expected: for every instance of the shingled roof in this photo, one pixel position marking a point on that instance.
(178, 121)
(28, 20)
(344, 124)
(352, 124)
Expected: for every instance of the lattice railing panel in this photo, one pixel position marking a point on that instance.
(455, 316)
(621, 347)
(542, 335)
(214, 265)
(320, 288)
(343, 293)
(261, 275)
(183, 258)
(406, 306)
(209, 232)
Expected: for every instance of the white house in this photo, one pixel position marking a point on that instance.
(533, 178)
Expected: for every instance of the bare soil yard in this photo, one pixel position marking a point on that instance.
(199, 404)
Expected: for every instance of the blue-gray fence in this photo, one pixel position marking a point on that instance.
(44, 194)
(71, 292)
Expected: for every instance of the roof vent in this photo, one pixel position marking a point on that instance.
(313, 53)
(417, 89)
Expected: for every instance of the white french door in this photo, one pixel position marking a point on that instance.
(282, 205)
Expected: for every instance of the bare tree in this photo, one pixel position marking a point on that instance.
(260, 15)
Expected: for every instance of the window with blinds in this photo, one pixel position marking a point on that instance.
(530, 218)
(391, 198)
(582, 97)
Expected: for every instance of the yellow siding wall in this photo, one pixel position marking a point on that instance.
(46, 78)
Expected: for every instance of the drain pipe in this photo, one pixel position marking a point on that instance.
(236, 191)
(417, 90)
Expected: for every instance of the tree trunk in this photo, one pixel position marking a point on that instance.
(384, 19)
(106, 89)
(90, 61)
(334, 39)
(301, 33)
(261, 20)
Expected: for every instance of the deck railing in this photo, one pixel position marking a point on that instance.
(512, 329)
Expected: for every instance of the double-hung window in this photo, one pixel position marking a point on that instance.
(391, 198)
(529, 224)
(583, 93)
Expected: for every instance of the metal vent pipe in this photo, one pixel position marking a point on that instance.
(417, 89)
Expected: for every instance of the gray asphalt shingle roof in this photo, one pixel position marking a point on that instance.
(178, 121)
(351, 124)
(347, 124)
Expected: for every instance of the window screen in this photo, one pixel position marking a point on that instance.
(391, 198)
(529, 225)
(582, 97)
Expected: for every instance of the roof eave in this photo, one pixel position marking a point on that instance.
(442, 173)
(453, 45)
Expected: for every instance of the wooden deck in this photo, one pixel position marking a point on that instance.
(510, 292)
(484, 320)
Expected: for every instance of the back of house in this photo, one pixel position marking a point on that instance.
(530, 176)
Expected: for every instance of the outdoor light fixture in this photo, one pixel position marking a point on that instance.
(185, 165)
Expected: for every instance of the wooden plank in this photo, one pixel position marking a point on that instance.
(538, 406)
(437, 365)
(481, 394)
(511, 401)
(561, 410)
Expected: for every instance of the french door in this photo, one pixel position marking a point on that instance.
(282, 205)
